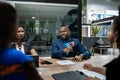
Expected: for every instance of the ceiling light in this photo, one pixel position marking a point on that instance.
(33, 17)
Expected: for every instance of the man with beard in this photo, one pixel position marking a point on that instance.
(65, 46)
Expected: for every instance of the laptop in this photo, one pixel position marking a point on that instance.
(69, 75)
(35, 59)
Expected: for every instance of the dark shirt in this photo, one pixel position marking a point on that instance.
(58, 46)
(27, 46)
(113, 69)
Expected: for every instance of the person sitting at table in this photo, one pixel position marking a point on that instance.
(22, 45)
(16, 65)
(65, 46)
(112, 69)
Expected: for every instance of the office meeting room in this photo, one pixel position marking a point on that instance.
(59, 39)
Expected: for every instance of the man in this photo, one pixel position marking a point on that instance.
(66, 46)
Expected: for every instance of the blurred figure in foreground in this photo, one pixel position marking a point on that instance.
(16, 65)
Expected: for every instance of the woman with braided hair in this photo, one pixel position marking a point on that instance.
(112, 69)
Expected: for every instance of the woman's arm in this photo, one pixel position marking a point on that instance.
(33, 52)
(96, 69)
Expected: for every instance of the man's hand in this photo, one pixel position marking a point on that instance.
(78, 58)
(71, 44)
(69, 48)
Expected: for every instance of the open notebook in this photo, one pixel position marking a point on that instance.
(77, 75)
(93, 74)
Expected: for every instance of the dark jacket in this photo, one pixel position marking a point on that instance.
(58, 47)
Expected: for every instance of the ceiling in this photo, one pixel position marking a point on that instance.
(52, 1)
(42, 11)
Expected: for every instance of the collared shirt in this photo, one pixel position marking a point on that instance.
(22, 49)
(25, 48)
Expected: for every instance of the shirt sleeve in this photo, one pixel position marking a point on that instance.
(21, 58)
(82, 49)
(57, 52)
(113, 69)
(29, 45)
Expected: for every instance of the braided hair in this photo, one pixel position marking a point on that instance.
(116, 24)
(8, 20)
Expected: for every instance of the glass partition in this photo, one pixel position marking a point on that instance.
(42, 22)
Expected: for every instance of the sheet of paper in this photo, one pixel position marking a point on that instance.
(93, 74)
(40, 70)
(65, 62)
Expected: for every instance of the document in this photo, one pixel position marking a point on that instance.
(93, 74)
(40, 70)
(65, 62)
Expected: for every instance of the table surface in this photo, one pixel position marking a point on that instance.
(97, 60)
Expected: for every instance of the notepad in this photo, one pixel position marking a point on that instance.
(93, 74)
(40, 70)
(65, 62)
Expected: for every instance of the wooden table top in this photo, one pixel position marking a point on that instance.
(98, 60)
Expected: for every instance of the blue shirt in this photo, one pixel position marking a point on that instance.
(66, 43)
(12, 56)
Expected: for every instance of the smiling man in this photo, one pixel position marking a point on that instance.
(66, 46)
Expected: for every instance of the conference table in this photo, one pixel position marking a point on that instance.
(47, 70)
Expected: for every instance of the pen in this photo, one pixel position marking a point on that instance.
(82, 73)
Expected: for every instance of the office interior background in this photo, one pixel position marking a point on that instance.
(43, 18)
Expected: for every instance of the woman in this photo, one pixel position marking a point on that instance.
(21, 65)
(20, 43)
(112, 69)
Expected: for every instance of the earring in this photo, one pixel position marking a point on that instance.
(115, 44)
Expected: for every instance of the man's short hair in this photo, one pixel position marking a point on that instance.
(64, 25)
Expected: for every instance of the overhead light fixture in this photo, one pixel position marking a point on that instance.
(33, 17)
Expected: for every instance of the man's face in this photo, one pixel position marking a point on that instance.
(64, 32)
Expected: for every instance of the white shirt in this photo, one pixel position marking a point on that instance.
(20, 49)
